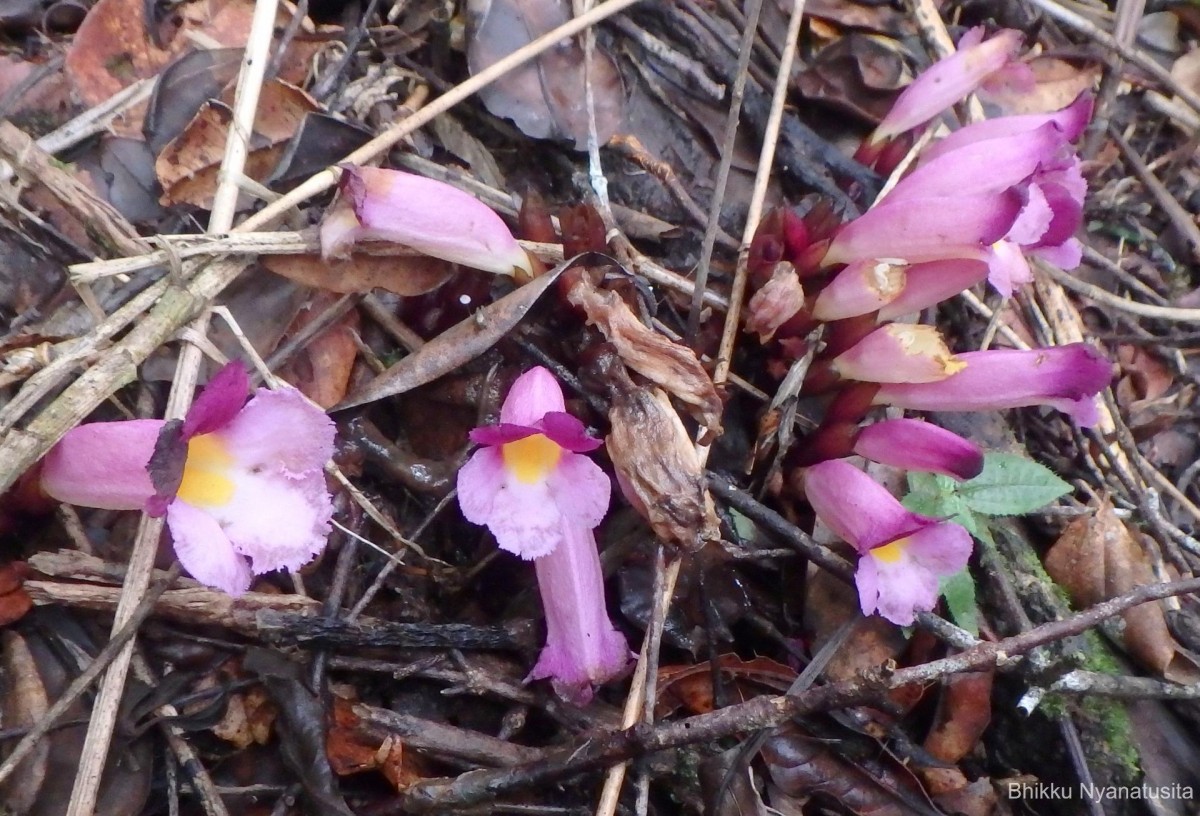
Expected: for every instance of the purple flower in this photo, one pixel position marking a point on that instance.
(898, 353)
(426, 215)
(912, 444)
(250, 494)
(949, 80)
(901, 554)
(1064, 377)
(541, 499)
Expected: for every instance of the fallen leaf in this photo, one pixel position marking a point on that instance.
(1095, 559)
(248, 719)
(458, 345)
(321, 370)
(182, 89)
(656, 462)
(857, 73)
(964, 713)
(672, 366)
(545, 98)
(189, 164)
(690, 687)
(1056, 84)
(405, 275)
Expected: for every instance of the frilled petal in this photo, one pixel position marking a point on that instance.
(900, 578)
(927, 284)
(429, 216)
(1007, 268)
(583, 649)
(861, 288)
(898, 352)
(205, 551)
(856, 507)
(580, 490)
(1034, 220)
(949, 80)
(1070, 121)
(1066, 255)
(912, 444)
(275, 520)
(103, 464)
(1066, 377)
(280, 430)
(219, 402)
(533, 395)
(1065, 215)
(927, 229)
(522, 516)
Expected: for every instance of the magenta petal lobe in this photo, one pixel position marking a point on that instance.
(103, 464)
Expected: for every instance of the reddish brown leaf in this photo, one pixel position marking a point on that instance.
(321, 370)
(690, 687)
(406, 275)
(964, 712)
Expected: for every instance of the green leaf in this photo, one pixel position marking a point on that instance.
(959, 591)
(1011, 485)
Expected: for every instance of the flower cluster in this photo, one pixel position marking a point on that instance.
(531, 485)
(241, 483)
(976, 206)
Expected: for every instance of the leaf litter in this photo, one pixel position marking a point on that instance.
(425, 352)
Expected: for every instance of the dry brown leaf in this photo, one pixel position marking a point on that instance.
(670, 365)
(321, 370)
(248, 719)
(964, 712)
(690, 687)
(828, 604)
(1057, 83)
(545, 98)
(656, 463)
(1096, 559)
(352, 749)
(189, 164)
(405, 275)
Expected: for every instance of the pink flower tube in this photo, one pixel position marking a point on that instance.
(898, 353)
(1064, 377)
(949, 80)
(530, 485)
(241, 483)
(901, 554)
(426, 215)
(913, 444)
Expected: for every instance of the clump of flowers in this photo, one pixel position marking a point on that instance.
(531, 485)
(977, 205)
(241, 483)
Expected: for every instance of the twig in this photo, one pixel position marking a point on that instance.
(1175, 314)
(1179, 217)
(478, 787)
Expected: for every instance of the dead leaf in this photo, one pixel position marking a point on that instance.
(321, 370)
(546, 97)
(353, 749)
(964, 713)
(1096, 559)
(189, 164)
(857, 73)
(23, 704)
(828, 604)
(1057, 84)
(657, 467)
(690, 687)
(406, 275)
(248, 719)
(183, 88)
(458, 345)
(672, 366)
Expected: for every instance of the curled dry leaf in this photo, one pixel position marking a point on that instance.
(691, 686)
(1095, 559)
(668, 364)
(775, 303)
(657, 466)
(248, 719)
(352, 749)
(321, 370)
(546, 98)
(964, 713)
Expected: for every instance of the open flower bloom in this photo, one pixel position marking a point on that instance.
(530, 485)
(976, 63)
(898, 353)
(912, 444)
(901, 554)
(1064, 377)
(241, 483)
(429, 216)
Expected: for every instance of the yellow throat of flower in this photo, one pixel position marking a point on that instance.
(890, 553)
(206, 482)
(532, 458)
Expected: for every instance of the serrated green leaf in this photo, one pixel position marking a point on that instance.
(937, 505)
(1011, 485)
(959, 592)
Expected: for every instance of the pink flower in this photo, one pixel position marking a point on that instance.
(902, 554)
(241, 483)
(541, 499)
(912, 444)
(977, 62)
(426, 215)
(1064, 377)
